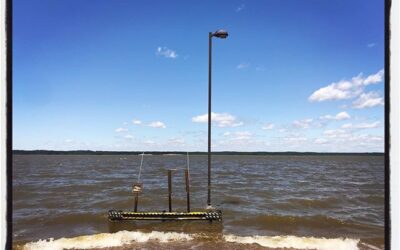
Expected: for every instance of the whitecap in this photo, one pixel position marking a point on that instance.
(296, 242)
(105, 240)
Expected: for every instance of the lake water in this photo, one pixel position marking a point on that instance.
(276, 201)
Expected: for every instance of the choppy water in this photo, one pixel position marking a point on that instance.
(305, 202)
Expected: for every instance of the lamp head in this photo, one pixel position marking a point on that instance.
(220, 34)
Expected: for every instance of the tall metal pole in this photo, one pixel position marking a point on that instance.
(209, 117)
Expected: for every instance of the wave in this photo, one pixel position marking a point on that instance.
(125, 238)
(296, 242)
(105, 240)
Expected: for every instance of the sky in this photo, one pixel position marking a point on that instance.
(133, 75)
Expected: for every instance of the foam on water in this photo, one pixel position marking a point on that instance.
(370, 246)
(126, 237)
(105, 240)
(296, 242)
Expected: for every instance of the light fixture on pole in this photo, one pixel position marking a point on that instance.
(220, 34)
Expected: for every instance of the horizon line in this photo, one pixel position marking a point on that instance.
(182, 152)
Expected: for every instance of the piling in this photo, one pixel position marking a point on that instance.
(136, 201)
(170, 190)
(187, 190)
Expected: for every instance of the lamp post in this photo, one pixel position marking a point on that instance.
(220, 34)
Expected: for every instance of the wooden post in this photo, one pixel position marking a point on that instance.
(136, 201)
(136, 189)
(169, 189)
(187, 190)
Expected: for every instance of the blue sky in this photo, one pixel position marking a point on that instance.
(132, 75)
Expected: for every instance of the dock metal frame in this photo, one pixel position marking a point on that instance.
(210, 214)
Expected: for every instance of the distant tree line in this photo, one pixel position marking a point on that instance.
(91, 152)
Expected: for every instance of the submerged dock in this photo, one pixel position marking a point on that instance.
(118, 215)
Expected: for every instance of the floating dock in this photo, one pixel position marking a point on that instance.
(118, 215)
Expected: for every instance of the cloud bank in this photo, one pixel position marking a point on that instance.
(346, 89)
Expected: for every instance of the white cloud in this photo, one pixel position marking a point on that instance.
(347, 125)
(302, 123)
(242, 135)
(371, 138)
(339, 116)
(119, 130)
(220, 119)
(375, 124)
(368, 125)
(371, 79)
(137, 122)
(268, 126)
(295, 139)
(129, 137)
(320, 141)
(157, 124)
(227, 133)
(370, 45)
(349, 139)
(342, 116)
(168, 53)
(368, 100)
(336, 133)
(331, 92)
(68, 140)
(240, 8)
(345, 89)
(243, 65)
